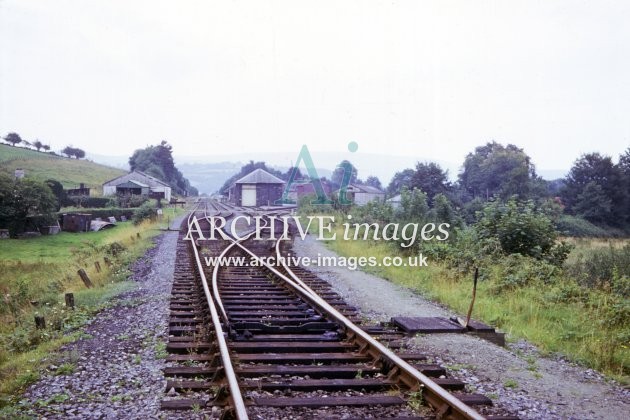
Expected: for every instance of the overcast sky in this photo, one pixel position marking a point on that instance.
(430, 80)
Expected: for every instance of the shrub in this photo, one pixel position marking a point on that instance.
(89, 202)
(144, 212)
(520, 229)
(518, 270)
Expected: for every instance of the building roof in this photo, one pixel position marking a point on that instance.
(131, 183)
(259, 176)
(368, 189)
(137, 176)
(395, 199)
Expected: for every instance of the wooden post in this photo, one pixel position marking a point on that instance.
(138, 235)
(69, 300)
(98, 266)
(40, 322)
(107, 261)
(85, 278)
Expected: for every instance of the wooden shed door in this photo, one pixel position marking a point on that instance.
(249, 195)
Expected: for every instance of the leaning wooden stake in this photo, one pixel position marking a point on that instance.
(108, 262)
(97, 265)
(85, 278)
(474, 294)
(40, 322)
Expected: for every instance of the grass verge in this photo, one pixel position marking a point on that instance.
(34, 275)
(560, 317)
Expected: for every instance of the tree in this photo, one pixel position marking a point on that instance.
(373, 181)
(443, 209)
(500, 170)
(339, 172)
(431, 179)
(13, 138)
(624, 168)
(23, 198)
(79, 153)
(158, 161)
(38, 144)
(413, 205)
(73, 151)
(593, 204)
(595, 169)
(58, 191)
(46, 147)
(399, 181)
(68, 151)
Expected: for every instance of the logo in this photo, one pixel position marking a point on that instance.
(315, 180)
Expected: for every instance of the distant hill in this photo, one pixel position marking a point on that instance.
(70, 172)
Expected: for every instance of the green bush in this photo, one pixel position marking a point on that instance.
(519, 227)
(144, 212)
(517, 270)
(89, 202)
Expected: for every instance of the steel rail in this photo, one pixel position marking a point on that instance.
(438, 393)
(238, 404)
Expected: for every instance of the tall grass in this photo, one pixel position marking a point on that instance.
(34, 275)
(562, 316)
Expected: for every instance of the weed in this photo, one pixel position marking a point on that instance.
(510, 383)
(65, 369)
(160, 350)
(415, 400)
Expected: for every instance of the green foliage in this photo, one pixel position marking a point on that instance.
(575, 226)
(597, 189)
(431, 179)
(158, 161)
(400, 180)
(519, 228)
(89, 202)
(73, 152)
(517, 271)
(57, 189)
(413, 205)
(22, 198)
(605, 267)
(13, 138)
(500, 170)
(130, 200)
(144, 212)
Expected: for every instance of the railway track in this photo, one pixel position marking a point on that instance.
(262, 341)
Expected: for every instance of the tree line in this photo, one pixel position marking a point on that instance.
(596, 189)
(14, 139)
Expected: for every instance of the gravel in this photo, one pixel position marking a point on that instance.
(116, 373)
(517, 378)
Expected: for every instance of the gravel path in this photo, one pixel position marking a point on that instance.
(518, 378)
(118, 372)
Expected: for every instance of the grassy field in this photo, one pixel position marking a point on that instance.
(560, 317)
(34, 275)
(70, 172)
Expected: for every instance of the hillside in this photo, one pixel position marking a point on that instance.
(70, 172)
